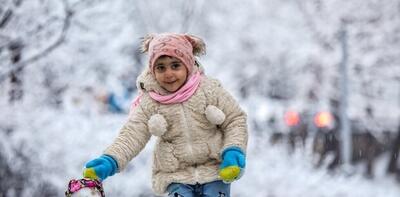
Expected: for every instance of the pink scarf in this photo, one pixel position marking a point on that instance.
(183, 94)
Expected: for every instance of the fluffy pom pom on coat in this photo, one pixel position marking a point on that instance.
(157, 125)
(214, 115)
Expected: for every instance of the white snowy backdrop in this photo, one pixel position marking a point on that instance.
(58, 57)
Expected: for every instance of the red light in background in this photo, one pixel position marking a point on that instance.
(323, 119)
(292, 118)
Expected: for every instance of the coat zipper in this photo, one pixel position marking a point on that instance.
(189, 139)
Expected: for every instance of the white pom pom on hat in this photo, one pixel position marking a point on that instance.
(214, 115)
(157, 125)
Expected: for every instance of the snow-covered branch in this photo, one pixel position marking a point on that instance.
(68, 13)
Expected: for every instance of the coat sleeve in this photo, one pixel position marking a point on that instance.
(131, 139)
(235, 125)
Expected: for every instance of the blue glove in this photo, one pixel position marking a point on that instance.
(100, 168)
(233, 164)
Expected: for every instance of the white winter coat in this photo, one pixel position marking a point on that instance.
(190, 135)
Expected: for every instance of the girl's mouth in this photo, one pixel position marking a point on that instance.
(172, 82)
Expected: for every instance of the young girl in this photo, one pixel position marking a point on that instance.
(201, 130)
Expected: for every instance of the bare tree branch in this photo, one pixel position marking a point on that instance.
(9, 13)
(6, 18)
(49, 49)
(45, 24)
(311, 25)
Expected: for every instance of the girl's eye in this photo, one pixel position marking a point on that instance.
(175, 66)
(160, 68)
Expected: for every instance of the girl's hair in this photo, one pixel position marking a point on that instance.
(199, 47)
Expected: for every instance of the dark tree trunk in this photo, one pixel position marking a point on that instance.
(393, 168)
(16, 91)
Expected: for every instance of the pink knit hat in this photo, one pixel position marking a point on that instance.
(181, 46)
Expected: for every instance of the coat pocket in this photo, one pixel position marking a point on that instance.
(165, 159)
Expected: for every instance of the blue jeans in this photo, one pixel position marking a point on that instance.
(211, 189)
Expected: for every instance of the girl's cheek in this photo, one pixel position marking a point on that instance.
(158, 78)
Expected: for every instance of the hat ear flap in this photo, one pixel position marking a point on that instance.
(199, 47)
(146, 43)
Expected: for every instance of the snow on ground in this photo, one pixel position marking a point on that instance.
(65, 140)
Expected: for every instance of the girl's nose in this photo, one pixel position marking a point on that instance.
(168, 73)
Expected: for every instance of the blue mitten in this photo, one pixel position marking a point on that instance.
(100, 168)
(233, 164)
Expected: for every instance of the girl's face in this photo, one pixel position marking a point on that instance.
(170, 73)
